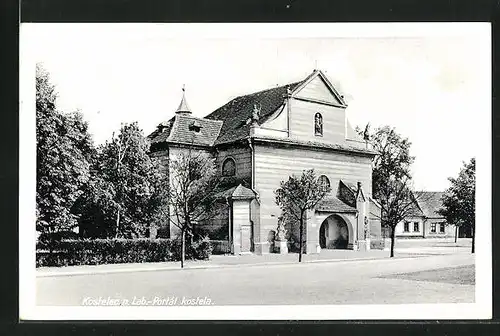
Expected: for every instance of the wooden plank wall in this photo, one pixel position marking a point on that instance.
(317, 89)
(302, 122)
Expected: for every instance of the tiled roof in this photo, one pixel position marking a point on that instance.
(237, 192)
(179, 131)
(353, 187)
(332, 203)
(243, 193)
(161, 133)
(238, 111)
(430, 202)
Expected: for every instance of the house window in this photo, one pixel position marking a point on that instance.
(229, 167)
(406, 227)
(433, 227)
(441, 228)
(416, 227)
(318, 124)
(324, 181)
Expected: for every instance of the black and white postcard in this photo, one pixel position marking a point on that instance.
(311, 171)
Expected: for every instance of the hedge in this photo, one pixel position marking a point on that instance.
(377, 244)
(115, 251)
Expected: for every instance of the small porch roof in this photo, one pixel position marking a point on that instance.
(333, 204)
(238, 192)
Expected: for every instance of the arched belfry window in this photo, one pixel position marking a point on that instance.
(229, 167)
(318, 124)
(324, 181)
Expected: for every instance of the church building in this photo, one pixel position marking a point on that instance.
(259, 140)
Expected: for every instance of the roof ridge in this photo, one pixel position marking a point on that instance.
(265, 90)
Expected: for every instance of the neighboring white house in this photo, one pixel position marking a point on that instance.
(425, 221)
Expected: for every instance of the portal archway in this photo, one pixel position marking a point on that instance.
(334, 233)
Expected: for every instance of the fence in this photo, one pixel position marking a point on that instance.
(220, 246)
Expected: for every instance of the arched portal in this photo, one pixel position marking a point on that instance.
(334, 233)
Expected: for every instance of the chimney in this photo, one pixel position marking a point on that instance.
(359, 185)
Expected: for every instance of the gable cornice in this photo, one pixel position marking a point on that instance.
(313, 75)
(318, 101)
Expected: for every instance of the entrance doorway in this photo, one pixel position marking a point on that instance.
(333, 233)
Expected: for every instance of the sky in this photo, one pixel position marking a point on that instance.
(429, 81)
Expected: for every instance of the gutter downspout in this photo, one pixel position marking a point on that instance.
(231, 235)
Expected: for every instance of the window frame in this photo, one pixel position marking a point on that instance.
(433, 228)
(442, 228)
(406, 226)
(417, 226)
(318, 116)
(327, 180)
(224, 162)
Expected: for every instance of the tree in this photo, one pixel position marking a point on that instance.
(193, 177)
(391, 178)
(299, 194)
(64, 154)
(127, 189)
(459, 203)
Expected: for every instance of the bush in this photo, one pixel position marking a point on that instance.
(68, 235)
(115, 251)
(377, 244)
(201, 249)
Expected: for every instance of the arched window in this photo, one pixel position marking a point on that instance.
(318, 124)
(228, 167)
(324, 181)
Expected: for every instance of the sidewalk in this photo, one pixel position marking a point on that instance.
(222, 261)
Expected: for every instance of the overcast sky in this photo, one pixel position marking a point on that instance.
(431, 82)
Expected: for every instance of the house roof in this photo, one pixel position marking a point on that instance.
(333, 204)
(237, 112)
(179, 130)
(232, 121)
(430, 202)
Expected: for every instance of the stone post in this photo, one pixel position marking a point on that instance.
(362, 220)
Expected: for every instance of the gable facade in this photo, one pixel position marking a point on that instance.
(265, 137)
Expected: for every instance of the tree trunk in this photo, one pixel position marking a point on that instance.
(473, 238)
(456, 233)
(183, 247)
(301, 229)
(393, 230)
(117, 224)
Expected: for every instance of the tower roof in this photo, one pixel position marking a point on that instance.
(183, 106)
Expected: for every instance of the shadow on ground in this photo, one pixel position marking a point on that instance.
(463, 275)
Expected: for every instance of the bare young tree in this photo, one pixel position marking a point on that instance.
(299, 194)
(398, 201)
(193, 177)
(392, 180)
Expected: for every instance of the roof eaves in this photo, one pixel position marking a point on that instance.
(335, 147)
(304, 82)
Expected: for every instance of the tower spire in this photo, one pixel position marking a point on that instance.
(183, 106)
